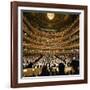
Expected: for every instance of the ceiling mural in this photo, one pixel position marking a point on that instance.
(50, 21)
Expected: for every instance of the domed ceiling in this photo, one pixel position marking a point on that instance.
(50, 21)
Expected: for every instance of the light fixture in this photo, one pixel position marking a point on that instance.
(50, 16)
(25, 70)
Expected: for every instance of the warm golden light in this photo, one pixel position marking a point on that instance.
(50, 16)
(25, 70)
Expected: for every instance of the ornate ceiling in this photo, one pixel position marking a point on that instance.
(59, 22)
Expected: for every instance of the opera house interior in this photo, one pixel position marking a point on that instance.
(50, 42)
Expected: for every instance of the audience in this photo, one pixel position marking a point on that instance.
(54, 65)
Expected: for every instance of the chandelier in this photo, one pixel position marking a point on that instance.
(50, 16)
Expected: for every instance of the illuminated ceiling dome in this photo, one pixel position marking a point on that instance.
(50, 16)
(50, 21)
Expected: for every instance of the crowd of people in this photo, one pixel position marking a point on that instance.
(53, 64)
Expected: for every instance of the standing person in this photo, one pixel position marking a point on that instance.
(30, 65)
(61, 69)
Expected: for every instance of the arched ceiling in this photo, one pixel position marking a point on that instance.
(60, 22)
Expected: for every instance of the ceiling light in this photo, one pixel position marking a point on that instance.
(50, 16)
